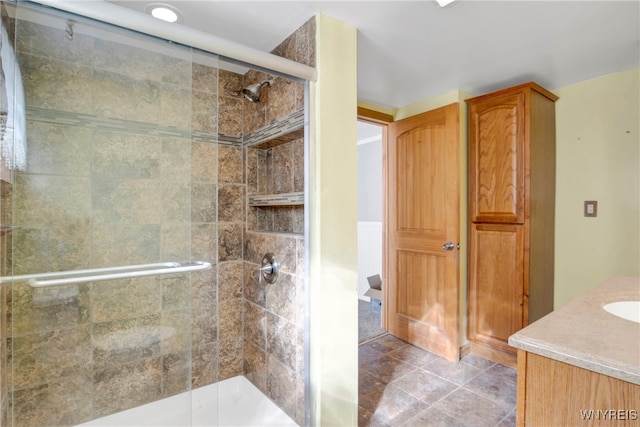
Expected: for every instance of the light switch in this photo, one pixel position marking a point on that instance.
(590, 208)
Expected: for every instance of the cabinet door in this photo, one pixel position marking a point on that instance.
(496, 159)
(496, 283)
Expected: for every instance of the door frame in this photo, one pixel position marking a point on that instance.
(381, 119)
(384, 120)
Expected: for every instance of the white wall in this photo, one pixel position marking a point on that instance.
(369, 172)
(369, 204)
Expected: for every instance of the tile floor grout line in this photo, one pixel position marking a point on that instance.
(409, 356)
(484, 397)
(416, 415)
(450, 380)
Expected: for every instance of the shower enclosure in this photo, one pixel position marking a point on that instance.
(139, 193)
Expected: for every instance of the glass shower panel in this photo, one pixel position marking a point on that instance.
(117, 140)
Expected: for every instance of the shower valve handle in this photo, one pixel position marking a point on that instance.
(269, 269)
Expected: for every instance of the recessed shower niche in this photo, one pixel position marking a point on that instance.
(275, 176)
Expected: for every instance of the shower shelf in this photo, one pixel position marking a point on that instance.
(284, 199)
(71, 277)
(282, 131)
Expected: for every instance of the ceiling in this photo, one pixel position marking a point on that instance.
(410, 51)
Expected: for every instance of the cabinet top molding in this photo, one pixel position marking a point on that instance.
(528, 85)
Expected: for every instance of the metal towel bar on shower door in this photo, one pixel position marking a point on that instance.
(71, 277)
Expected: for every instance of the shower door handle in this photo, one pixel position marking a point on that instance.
(74, 277)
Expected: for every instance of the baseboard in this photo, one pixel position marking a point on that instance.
(465, 349)
(493, 354)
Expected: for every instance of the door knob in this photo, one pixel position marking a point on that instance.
(449, 246)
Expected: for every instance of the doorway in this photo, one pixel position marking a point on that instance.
(370, 235)
(421, 228)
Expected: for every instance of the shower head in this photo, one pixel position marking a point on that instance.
(252, 92)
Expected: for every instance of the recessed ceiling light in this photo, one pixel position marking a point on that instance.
(443, 3)
(164, 12)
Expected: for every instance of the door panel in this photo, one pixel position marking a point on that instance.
(496, 160)
(417, 302)
(423, 213)
(496, 275)
(419, 185)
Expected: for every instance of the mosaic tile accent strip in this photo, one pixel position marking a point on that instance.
(203, 136)
(94, 122)
(230, 140)
(282, 131)
(285, 199)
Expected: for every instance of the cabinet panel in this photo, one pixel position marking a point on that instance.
(553, 393)
(496, 159)
(496, 283)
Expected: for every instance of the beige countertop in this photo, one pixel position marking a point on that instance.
(583, 334)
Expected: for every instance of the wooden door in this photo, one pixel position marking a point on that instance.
(496, 159)
(422, 292)
(496, 283)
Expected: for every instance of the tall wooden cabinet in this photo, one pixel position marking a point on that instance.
(511, 215)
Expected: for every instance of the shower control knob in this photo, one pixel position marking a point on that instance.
(269, 269)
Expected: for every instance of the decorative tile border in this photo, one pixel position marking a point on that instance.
(94, 122)
(230, 140)
(288, 129)
(284, 199)
(203, 136)
(285, 130)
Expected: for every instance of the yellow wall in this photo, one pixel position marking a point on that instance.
(333, 227)
(598, 158)
(431, 104)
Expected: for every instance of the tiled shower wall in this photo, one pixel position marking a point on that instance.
(5, 239)
(83, 97)
(119, 172)
(272, 334)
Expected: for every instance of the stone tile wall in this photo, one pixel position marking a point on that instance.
(271, 331)
(5, 240)
(274, 320)
(261, 328)
(5, 270)
(274, 313)
(204, 228)
(276, 170)
(114, 177)
(124, 169)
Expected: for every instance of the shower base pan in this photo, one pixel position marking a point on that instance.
(232, 402)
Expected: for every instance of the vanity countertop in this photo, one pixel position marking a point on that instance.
(583, 334)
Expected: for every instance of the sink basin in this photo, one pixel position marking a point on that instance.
(629, 310)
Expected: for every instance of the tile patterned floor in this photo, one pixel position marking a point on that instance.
(402, 385)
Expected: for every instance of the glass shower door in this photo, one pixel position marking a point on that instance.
(106, 182)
